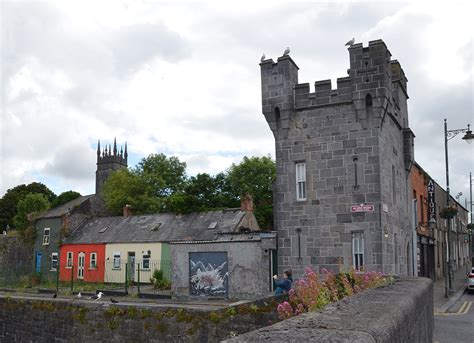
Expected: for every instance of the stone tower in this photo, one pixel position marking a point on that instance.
(342, 158)
(108, 160)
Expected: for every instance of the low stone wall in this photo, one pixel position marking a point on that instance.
(24, 319)
(401, 312)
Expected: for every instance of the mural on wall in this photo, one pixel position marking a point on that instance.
(208, 273)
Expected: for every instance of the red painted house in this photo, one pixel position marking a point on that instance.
(85, 262)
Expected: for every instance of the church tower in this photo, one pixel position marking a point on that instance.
(108, 160)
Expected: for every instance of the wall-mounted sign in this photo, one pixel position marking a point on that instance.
(362, 208)
(431, 200)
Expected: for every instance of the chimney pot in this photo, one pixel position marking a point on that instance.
(127, 211)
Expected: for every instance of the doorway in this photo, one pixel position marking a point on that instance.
(39, 254)
(80, 265)
(131, 265)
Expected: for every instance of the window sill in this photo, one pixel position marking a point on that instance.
(68, 267)
(91, 268)
(116, 268)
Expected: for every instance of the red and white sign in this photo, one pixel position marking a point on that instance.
(363, 208)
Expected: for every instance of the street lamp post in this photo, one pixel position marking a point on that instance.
(468, 137)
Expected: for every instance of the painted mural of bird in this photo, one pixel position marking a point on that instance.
(351, 42)
(286, 52)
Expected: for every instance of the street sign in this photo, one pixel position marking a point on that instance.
(362, 208)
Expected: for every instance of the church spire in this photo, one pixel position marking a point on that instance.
(125, 154)
(115, 146)
(98, 149)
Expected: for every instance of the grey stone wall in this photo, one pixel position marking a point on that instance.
(402, 312)
(248, 266)
(350, 138)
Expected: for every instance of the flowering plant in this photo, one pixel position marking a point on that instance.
(310, 293)
(448, 212)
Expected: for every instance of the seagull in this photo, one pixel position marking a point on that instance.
(286, 52)
(97, 296)
(262, 58)
(351, 42)
(79, 295)
(113, 301)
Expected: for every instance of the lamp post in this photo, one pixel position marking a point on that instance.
(468, 137)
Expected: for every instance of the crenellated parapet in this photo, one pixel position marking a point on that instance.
(109, 159)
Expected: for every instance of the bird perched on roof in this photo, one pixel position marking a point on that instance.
(351, 42)
(97, 296)
(286, 52)
(262, 58)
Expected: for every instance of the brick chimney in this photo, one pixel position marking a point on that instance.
(246, 203)
(127, 211)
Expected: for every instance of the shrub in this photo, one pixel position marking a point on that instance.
(159, 281)
(311, 294)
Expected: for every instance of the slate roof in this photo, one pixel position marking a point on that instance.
(163, 227)
(60, 210)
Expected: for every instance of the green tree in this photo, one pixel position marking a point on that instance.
(10, 200)
(255, 175)
(28, 210)
(64, 197)
(165, 175)
(124, 187)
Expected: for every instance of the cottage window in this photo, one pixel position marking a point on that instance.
(300, 181)
(69, 259)
(146, 261)
(54, 261)
(93, 260)
(46, 236)
(358, 250)
(116, 260)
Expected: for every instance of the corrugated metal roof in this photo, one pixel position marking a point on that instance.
(163, 227)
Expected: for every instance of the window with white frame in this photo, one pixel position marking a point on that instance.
(117, 260)
(301, 181)
(93, 260)
(358, 250)
(69, 257)
(54, 261)
(146, 261)
(46, 236)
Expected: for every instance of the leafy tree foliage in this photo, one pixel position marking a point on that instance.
(10, 200)
(29, 208)
(255, 175)
(64, 197)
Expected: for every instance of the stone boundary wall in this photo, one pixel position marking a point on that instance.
(401, 312)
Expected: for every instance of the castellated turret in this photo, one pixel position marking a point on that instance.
(342, 161)
(108, 160)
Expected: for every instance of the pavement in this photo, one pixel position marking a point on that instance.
(441, 303)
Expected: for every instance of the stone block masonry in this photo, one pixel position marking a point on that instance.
(402, 312)
(356, 147)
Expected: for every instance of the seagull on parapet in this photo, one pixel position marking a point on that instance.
(79, 295)
(262, 58)
(286, 52)
(351, 42)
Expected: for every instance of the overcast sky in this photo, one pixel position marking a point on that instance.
(183, 79)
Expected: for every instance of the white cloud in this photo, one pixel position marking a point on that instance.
(183, 78)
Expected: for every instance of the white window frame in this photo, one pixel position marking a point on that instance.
(116, 260)
(358, 258)
(46, 237)
(54, 258)
(300, 170)
(146, 257)
(69, 259)
(93, 257)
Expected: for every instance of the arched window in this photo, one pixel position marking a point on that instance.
(368, 100)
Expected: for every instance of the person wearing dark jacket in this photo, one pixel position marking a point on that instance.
(283, 286)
